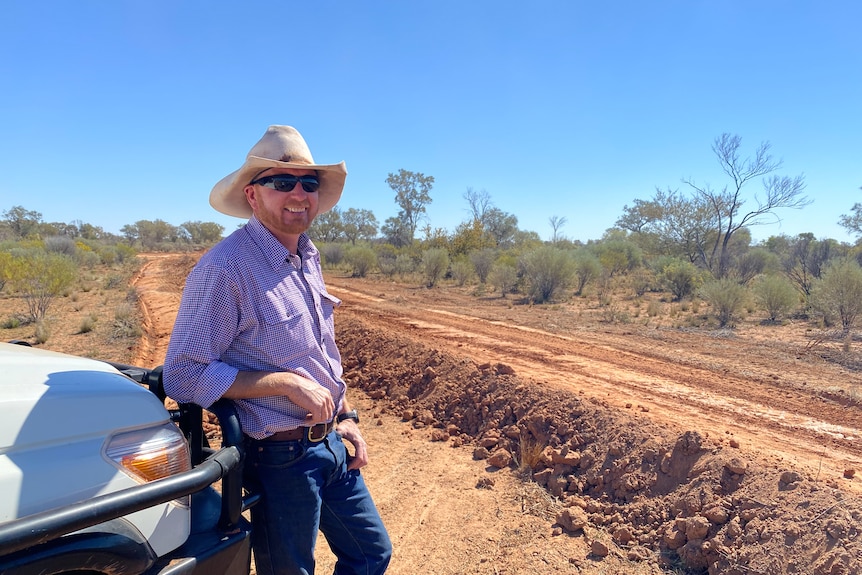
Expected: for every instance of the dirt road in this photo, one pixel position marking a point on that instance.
(769, 395)
(770, 401)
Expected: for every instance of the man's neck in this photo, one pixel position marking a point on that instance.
(290, 241)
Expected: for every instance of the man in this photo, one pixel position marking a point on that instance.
(256, 326)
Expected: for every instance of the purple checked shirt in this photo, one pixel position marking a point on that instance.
(250, 305)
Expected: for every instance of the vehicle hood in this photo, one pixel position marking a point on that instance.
(47, 396)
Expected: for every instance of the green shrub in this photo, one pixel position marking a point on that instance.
(40, 277)
(641, 280)
(679, 277)
(483, 261)
(361, 260)
(776, 295)
(404, 265)
(60, 245)
(726, 297)
(461, 271)
(548, 271)
(587, 267)
(386, 257)
(88, 259)
(7, 263)
(12, 322)
(504, 277)
(435, 264)
(332, 254)
(837, 296)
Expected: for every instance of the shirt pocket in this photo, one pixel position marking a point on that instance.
(282, 312)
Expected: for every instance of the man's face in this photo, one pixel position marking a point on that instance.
(286, 213)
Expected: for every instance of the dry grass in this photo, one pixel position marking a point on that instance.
(529, 455)
(95, 318)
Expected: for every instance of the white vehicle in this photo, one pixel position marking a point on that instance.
(97, 476)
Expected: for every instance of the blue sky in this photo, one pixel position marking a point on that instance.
(118, 111)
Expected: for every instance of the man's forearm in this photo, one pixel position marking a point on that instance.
(304, 392)
(254, 384)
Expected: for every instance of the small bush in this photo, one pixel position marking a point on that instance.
(548, 272)
(615, 314)
(12, 322)
(332, 254)
(776, 295)
(587, 267)
(641, 281)
(726, 297)
(88, 323)
(604, 288)
(837, 296)
(503, 277)
(435, 264)
(43, 331)
(404, 265)
(361, 260)
(679, 277)
(461, 271)
(114, 281)
(60, 245)
(125, 324)
(41, 277)
(7, 267)
(386, 258)
(87, 259)
(483, 261)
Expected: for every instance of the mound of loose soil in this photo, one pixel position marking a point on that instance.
(684, 499)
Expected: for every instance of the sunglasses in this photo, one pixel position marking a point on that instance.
(286, 182)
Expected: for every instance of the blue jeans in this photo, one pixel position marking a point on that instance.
(305, 486)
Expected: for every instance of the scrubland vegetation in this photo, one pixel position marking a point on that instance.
(691, 248)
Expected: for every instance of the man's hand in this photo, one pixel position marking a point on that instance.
(349, 430)
(312, 397)
(304, 392)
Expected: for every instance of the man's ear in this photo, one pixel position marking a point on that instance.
(250, 196)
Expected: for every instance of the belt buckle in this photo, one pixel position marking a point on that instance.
(323, 427)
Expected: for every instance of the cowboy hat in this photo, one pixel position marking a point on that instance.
(280, 147)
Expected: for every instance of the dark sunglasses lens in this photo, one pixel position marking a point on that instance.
(310, 183)
(286, 183)
(283, 183)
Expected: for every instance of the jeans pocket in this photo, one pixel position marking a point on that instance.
(279, 455)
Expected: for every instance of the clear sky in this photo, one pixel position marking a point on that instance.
(115, 111)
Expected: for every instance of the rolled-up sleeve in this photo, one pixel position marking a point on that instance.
(206, 325)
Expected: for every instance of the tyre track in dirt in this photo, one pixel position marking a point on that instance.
(762, 403)
(159, 285)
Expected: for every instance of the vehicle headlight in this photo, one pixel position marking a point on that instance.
(151, 453)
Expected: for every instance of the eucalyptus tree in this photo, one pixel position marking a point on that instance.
(412, 194)
(727, 205)
(701, 226)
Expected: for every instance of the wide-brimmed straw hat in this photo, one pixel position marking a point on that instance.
(280, 147)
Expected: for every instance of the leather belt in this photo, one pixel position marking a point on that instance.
(314, 434)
